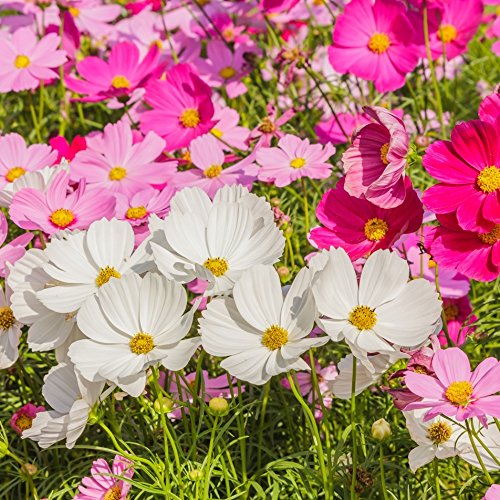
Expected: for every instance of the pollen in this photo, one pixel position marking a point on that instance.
(22, 62)
(227, 72)
(421, 369)
(120, 82)
(135, 213)
(492, 237)
(190, 118)
(141, 343)
(62, 218)
(105, 274)
(379, 43)
(7, 318)
(217, 133)
(74, 11)
(488, 179)
(24, 422)
(217, 266)
(14, 173)
(213, 171)
(383, 153)
(363, 318)
(113, 493)
(297, 162)
(267, 126)
(117, 173)
(275, 337)
(375, 229)
(451, 311)
(459, 393)
(447, 33)
(439, 432)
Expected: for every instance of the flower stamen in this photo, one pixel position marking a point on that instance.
(439, 432)
(14, 173)
(7, 318)
(217, 266)
(375, 229)
(379, 43)
(62, 218)
(190, 118)
(105, 274)
(488, 179)
(274, 337)
(363, 318)
(459, 393)
(141, 343)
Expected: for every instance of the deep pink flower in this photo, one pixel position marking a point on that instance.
(455, 391)
(270, 126)
(102, 485)
(23, 418)
(55, 209)
(182, 107)
(459, 319)
(136, 6)
(489, 109)
(468, 168)
(65, 149)
(14, 250)
(374, 41)
(376, 160)
(273, 6)
(330, 131)
(360, 227)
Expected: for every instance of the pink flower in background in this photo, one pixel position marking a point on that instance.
(270, 126)
(376, 160)
(274, 6)
(459, 320)
(468, 168)
(182, 107)
(11, 252)
(26, 60)
(374, 42)
(489, 109)
(101, 485)
(94, 16)
(360, 227)
(493, 492)
(120, 75)
(330, 131)
(55, 209)
(228, 131)
(225, 26)
(114, 161)
(65, 149)
(23, 418)
(292, 159)
(455, 391)
(136, 6)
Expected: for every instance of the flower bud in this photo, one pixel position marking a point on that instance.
(283, 272)
(381, 429)
(166, 402)
(219, 407)
(29, 469)
(195, 475)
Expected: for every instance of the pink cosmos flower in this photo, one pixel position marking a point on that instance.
(101, 485)
(330, 131)
(489, 109)
(292, 159)
(270, 126)
(228, 130)
(182, 107)
(120, 75)
(376, 160)
(65, 149)
(136, 6)
(360, 227)
(273, 6)
(94, 16)
(55, 209)
(468, 168)
(13, 251)
(493, 492)
(26, 60)
(23, 418)
(455, 391)
(16, 158)
(374, 41)
(459, 319)
(225, 27)
(113, 161)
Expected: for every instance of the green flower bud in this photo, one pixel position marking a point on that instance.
(166, 402)
(381, 429)
(219, 407)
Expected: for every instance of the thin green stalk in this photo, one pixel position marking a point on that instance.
(208, 459)
(306, 203)
(470, 432)
(382, 473)
(265, 400)
(353, 430)
(435, 465)
(443, 315)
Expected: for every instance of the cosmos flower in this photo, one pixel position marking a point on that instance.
(459, 320)
(65, 149)
(14, 250)
(22, 418)
(10, 331)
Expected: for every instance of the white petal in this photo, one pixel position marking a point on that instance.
(180, 355)
(49, 332)
(65, 299)
(419, 456)
(249, 365)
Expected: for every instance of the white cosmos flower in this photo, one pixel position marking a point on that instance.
(489, 437)
(381, 314)
(10, 331)
(216, 241)
(131, 324)
(261, 333)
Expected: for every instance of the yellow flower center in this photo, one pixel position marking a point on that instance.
(492, 237)
(439, 432)
(363, 318)
(267, 126)
(14, 173)
(447, 33)
(488, 179)
(383, 153)
(141, 343)
(213, 171)
(74, 11)
(275, 337)
(227, 72)
(136, 213)
(120, 82)
(379, 43)
(22, 62)
(105, 274)
(459, 393)
(376, 229)
(297, 163)
(62, 218)
(228, 33)
(217, 266)
(421, 369)
(451, 311)
(190, 118)
(7, 318)
(117, 173)
(24, 422)
(217, 133)
(158, 43)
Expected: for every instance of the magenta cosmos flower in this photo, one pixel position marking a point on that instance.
(23, 418)
(55, 209)
(455, 391)
(459, 319)
(113, 161)
(120, 75)
(270, 126)
(292, 159)
(360, 227)
(182, 107)
(331, 131)
(374, 41)
(468, 168)
(375, 162)
(65, 149)
(489, 109)
(101, 485)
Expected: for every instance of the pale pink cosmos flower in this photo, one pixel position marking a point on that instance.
(292, 159)
(94, 16)
(455, 391)
(270, 126)
(13, 251)
(22, 419)
(55, 209)
(102, 485)
(26, 60)
(114, 161)
(493, 492)
(227, 129)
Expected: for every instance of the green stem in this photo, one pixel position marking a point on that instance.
(353, 430)
(208, 459)
(435, 465)
(265, 399)
(470, 432)
(382, 473)
(306, 204)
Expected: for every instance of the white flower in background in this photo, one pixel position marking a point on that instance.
(436, 438)
(216, 241)
(489, 437)
(261, 333)
(131, 324)
(72, 399)
(382, 314)
(10, 331)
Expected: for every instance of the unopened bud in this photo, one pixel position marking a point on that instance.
(275, 201)
(381, 429)
(195, 475)
(422, 141)
(219, 407)
(29, 469)
(283, 272)
(165, 402)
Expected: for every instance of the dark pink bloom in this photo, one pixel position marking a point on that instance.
(459, 319)
(136, 6)
(23, 418)
(65, 149)
(330, 131)
(489, 109)
(273, 6)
